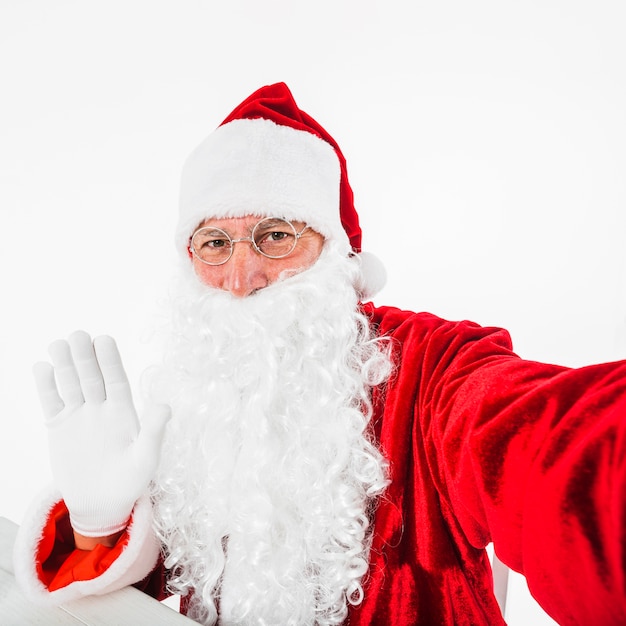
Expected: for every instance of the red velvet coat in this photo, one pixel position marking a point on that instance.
(483, 447)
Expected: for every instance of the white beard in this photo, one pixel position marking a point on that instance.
(268, 474)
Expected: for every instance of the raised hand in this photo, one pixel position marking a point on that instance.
(102, 457)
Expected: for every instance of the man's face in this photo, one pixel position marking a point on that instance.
(248, 271)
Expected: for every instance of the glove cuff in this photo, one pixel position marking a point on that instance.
(99, 519)
(101, 530)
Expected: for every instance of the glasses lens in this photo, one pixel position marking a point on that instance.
(211, 245)
(274, 237)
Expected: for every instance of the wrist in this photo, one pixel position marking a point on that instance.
(82, 542)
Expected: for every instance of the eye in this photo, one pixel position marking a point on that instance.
(211, 241)
(214, 243)
(276, 235)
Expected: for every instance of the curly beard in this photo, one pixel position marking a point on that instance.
(268, 472)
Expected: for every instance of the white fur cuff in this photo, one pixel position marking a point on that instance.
(134, 564)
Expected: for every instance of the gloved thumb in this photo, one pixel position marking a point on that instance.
(148, 443)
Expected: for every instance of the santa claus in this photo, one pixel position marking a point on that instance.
(311, 459)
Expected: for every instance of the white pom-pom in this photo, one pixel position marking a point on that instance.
(373, 275)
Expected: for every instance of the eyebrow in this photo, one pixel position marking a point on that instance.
(212, 230)
(269, 222)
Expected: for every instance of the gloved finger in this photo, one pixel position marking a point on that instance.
(49, 397)
(116, 383)
(147, 446)
(86, 365)
(66, 374)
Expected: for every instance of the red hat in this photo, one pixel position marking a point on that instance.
(268, 157)
(276, 103)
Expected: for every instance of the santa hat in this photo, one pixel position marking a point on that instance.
(269, 158)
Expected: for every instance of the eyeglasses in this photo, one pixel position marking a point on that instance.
(273, 237)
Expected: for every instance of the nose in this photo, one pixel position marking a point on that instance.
(244, 272)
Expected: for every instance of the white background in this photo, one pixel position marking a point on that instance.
(486, 144)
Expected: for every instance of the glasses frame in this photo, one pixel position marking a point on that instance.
(250, 240)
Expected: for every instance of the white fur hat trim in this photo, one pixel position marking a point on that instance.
(258, 167)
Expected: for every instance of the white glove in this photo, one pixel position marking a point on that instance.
(102, 460)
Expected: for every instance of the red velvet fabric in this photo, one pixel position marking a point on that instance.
(484, 446)
(59, 563)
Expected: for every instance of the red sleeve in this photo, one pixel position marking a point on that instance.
(541, 470)
(60, 564)
(529, 455)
